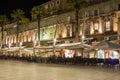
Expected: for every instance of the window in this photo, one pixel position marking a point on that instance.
(58, 2)
(51, 5)
(86, 14)
(96, 26)
(107, 25)
(107, 8)
(69, 18)
(46, 6)
(118, 6)
(113, 38)
(96, 12)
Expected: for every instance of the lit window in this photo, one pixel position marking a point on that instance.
(96, 26)
(107, 24)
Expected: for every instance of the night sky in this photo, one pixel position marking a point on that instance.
(7, 6)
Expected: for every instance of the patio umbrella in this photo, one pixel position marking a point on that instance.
(107, 45)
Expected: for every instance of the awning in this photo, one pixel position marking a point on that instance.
(44, 47)
(105, 45)
(66, 46)
(72, 46)
(11, 49)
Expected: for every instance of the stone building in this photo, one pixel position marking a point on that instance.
(98, 21)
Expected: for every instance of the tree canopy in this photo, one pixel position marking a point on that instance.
(3, 20)
(37, 11)
(76, 4)
(18, 15)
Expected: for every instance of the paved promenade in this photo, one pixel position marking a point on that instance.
(18, 70)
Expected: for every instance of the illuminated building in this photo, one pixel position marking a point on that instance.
(98, 21)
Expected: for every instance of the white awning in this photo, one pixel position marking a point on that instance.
(44, 47)
(72, 46)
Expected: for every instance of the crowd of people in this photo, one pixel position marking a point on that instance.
(53, 59)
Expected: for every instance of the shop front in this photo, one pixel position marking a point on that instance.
(106, 54)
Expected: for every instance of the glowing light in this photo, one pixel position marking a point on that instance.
(55, 40)
(83, 37)
(35, 42)
(21, 43)
(15, 26)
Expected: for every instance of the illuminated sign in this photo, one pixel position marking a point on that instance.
(47, 33)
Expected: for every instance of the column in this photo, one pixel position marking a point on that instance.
(118, 30)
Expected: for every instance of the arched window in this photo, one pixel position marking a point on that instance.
(58, 2)
(68, 31)
(51, 5)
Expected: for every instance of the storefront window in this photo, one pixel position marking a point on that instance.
(113, 54)
(69, 53)
(101, 54)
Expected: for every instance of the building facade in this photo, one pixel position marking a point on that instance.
(98, 21)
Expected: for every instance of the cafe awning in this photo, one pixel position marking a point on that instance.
(72, 46)
(107, 45)
(65, 46)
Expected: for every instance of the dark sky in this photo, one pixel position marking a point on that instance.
(6, 6)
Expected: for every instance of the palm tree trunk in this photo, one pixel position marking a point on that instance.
(17, 33)
(38, 30)
(77, 24)
(2, 36)
(54, 41)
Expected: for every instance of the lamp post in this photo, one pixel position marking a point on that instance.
(16, 26)
(9, 45)
(83, 37)
(118, 32)
(83, 30)
(54, 42)
(20, 44)
(34, 45)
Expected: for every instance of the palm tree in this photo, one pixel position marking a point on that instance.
(77, 5)
(38, 12)
(18, 17)
(3, 21)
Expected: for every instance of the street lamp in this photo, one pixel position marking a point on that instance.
(55, 41)
(20, 44)
(16, 26)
